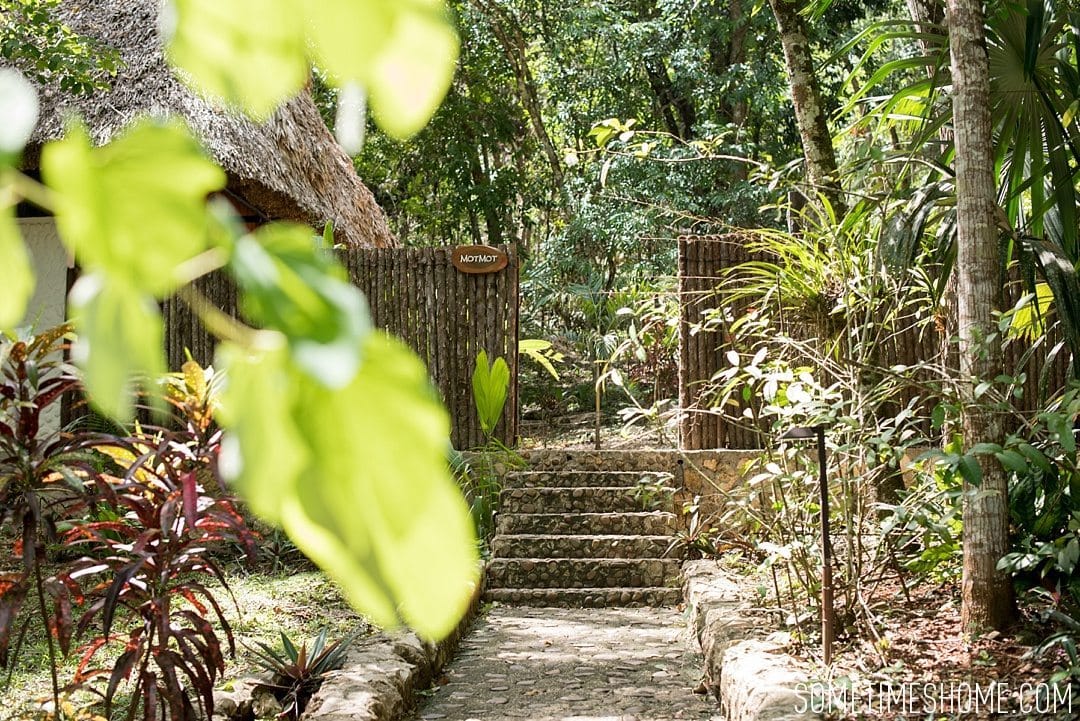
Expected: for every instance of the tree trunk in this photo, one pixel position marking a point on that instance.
(821, 170)
(987, 592)
(722, 56)
(508, 32)
(928, 17)
(670, 101)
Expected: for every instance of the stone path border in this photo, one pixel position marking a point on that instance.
(382, 675)
(750, 674)
(596, 656)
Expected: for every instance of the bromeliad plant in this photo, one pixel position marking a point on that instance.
(298, 673)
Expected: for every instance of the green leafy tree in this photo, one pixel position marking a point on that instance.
(34, 41)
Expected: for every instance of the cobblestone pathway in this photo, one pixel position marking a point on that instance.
(549, 664)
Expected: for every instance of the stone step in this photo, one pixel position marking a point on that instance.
(578, 479)
(604, 460)
(655, 523)
(582, 572)
(550, 546)
(585, 597)
(590, 499)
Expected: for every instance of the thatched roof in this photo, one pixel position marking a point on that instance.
(289, 168)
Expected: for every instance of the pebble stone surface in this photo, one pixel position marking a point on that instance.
(557, 664)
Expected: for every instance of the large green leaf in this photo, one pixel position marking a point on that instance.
(248, 53)
(263, 451)
(120, 339)
(294, 287)
(362, 486)
(135, 207)
(490, 383)
(252, 53)
(18, 284)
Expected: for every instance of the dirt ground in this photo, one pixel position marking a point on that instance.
(917, 660)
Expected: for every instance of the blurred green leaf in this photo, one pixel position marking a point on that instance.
(291, 285)
(135, 207)
(415, 68)
(253, 54)
(120, 340)
(18, 113)
(248, 53)
(264, 451)
(18, 286)
(364, 489)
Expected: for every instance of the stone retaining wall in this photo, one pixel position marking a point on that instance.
(749, 673)
(382, 674)
(377, 682)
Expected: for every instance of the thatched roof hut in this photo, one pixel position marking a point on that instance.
(288, 168)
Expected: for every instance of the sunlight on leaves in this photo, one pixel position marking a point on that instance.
(359, 481)
(292, 286)
(542, 353)
(137, 206)
(490, 383)
(1029, 317)
(120, 339)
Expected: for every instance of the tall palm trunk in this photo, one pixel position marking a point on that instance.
(987, 593)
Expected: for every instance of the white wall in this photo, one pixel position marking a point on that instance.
(50, 261)
(47, 307)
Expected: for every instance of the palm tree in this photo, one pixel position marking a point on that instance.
(1034, 94)
(987, 601)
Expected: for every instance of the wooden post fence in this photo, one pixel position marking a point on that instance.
(416, 294)
(702, 353)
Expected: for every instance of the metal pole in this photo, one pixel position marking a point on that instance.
(827, 613)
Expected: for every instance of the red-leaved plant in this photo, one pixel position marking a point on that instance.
(152, 558)
(42, 474)
(128, 527)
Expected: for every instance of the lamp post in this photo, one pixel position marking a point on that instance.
(828, 629)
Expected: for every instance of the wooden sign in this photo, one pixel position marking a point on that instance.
(478, 259)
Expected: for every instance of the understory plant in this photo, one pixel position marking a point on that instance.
(42, 484)
(146, 571)
(644, 364)
(113, 537)
(479, 480)
(807, 323)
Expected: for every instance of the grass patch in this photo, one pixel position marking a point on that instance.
(298, 602)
